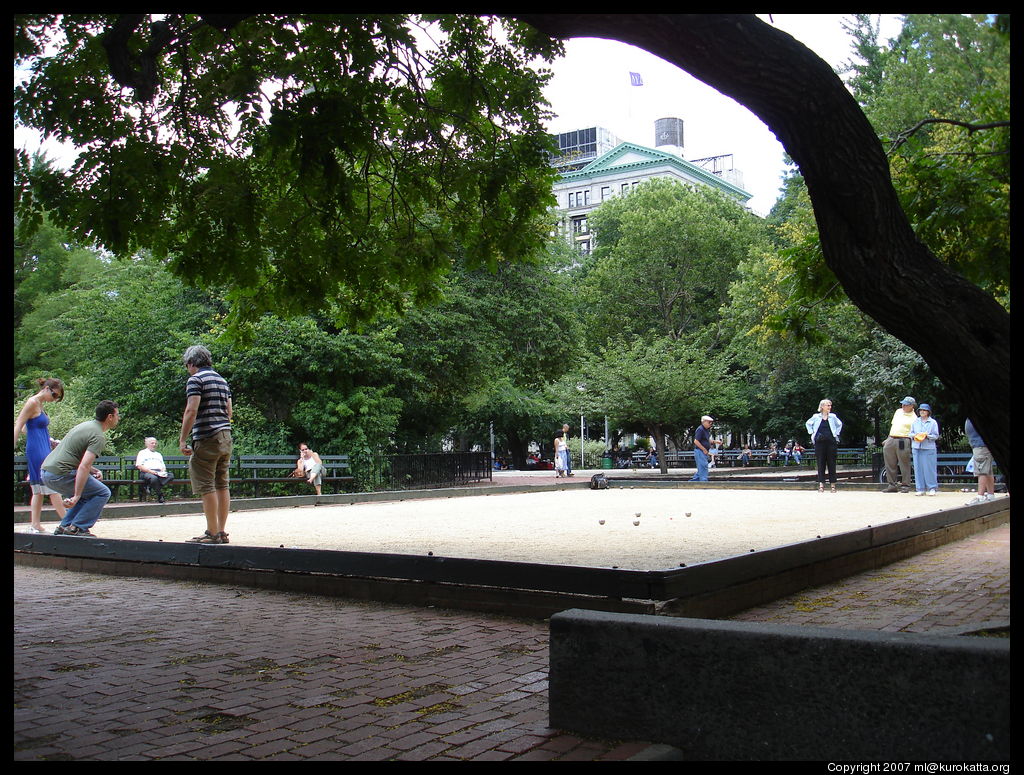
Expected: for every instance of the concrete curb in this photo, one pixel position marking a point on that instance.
(745, 691)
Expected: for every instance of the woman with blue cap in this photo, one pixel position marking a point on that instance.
(924, 433)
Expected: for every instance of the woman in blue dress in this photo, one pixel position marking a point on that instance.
(33, 420)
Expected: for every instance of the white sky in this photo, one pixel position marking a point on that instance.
(591, 87)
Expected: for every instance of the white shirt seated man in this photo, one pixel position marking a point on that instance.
(152, 470)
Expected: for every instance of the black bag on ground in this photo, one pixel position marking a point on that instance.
(598, 482)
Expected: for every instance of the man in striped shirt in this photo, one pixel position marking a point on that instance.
(207, 418)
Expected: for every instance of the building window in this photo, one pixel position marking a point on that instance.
(606, 192)
(579, 225)
(583, 246)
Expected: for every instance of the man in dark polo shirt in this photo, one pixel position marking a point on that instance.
(207, 418)
(702, 448)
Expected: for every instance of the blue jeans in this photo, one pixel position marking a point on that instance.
(86, 512)
(925, 469)
(702, 466)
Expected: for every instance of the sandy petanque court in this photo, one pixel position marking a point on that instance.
(562, 527)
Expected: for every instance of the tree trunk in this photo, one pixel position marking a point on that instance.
(657, 432)
(961, 332)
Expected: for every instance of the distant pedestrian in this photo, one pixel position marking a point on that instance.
(702, 448)
(924, 433)
(69, 470)
(981, 458)
(568, 455)
(561, 454)
(824, 428)
(207, 418)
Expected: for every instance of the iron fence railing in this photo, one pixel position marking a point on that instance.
(420, 471)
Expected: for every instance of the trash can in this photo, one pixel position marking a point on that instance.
(877, 467)
(606, 462)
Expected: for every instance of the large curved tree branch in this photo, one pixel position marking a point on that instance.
(961, 331)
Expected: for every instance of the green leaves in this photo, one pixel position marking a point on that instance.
(307, 162)
(665, 257)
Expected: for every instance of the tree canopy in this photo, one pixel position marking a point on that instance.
(308, 162)
(311, 171)
(866, 237)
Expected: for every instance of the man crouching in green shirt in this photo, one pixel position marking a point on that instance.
(68, 469)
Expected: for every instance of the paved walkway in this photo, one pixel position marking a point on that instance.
(110, 668)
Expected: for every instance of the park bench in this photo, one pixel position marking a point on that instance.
(109, 465)
(951, 468)
(177, 466)
(258, 470)
(758, 457)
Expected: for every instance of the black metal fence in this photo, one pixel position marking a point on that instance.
(420, 471)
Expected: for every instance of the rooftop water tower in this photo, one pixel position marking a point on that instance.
(668, 135)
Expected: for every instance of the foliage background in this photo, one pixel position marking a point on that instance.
(689, 305)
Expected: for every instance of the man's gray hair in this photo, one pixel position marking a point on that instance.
(198, 356)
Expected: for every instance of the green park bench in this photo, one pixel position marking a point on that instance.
(257, 470)
(177, 466)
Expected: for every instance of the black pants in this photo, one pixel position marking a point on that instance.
(155, 483)
(825, 453)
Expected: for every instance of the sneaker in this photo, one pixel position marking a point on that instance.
(990, 496)
(932, 492)
(61, 530)
(976, 500)
(71, 530)
(919, 493)
(904, 489)
(35, 530)
(891, 488)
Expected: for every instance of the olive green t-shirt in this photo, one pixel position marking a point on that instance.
(84, 437)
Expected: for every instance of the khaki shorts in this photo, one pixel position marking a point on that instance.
(982, 461)
(208, 466)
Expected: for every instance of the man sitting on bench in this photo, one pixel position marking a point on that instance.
(152, 471)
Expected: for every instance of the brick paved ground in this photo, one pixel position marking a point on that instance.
(110, 668)
(954, 588)
(125, 668)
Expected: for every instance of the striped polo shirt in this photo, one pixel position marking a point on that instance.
(214, 395)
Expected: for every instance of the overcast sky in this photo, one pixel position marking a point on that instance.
(592, 87)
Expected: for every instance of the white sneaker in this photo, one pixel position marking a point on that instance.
(919, 493)
(978, 499)
(932, 492)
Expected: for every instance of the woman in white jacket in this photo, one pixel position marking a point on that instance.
(824, 429)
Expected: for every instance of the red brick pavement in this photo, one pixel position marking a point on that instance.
(111, 668)
(955, 588)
